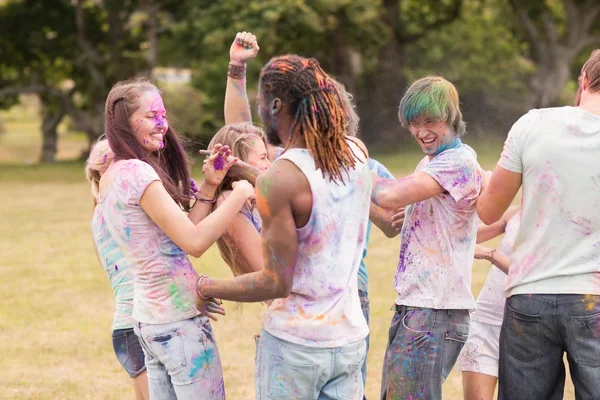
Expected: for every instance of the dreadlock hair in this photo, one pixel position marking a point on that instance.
(170, 163)
(319, 113)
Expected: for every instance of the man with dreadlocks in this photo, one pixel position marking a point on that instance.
(314, 203)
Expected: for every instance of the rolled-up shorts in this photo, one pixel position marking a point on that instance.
(129, 351)
(481, 351)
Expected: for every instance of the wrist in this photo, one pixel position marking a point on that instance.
(208, 190)
(237, 62)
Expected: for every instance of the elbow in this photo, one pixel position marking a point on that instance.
(486, 215)
(382, 197)
(196, 250)
(282, 290)
(391, 233)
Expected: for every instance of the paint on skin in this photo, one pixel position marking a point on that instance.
(456, 142)
(219, 162)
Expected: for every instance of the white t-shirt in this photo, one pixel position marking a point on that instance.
(323, 308)
(557, 248)
(490, 303)
(163, 278)
(438, 235)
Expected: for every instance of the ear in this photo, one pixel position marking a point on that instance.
(276, 106)
(585, 82)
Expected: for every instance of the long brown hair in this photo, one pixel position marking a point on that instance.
(238, 137)
(170, 163)
(318, 109)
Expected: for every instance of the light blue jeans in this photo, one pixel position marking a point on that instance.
(182, 360)
(286, 370)
(364, 305)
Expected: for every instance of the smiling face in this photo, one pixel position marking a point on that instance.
(433, 135)
(257, 154)
(149, 122)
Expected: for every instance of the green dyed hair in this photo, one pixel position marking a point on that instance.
(434, 97)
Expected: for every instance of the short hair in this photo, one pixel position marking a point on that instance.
(435, 97)
(592, 71)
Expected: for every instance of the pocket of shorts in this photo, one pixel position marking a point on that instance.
(350, 387)
(289, 380)
(168, 348)
(523, 338)
(585, 339)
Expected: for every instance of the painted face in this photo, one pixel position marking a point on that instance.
(269, 121)
(257, 154)
(149, 122)
(432, 135)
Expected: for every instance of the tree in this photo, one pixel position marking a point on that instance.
(557, 31)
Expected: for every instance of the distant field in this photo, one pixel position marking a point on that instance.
(57, 306)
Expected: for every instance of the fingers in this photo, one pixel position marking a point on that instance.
(247, 40)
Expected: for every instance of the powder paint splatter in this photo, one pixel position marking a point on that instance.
(219, 163)
(176, 296)
(116, 267)
(128, 232)
(201, 361)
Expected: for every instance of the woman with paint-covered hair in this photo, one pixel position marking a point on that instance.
(118, 269)
(145, 199)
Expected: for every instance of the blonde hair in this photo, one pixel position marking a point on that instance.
(100, 158)
(238, 137)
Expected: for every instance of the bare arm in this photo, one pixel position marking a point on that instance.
(498, 194)
(488, 232)
(237, 106)
(192, 238)
(391, 194)
(240, 170)
(383, 220)
(496, 257)
(279, 244)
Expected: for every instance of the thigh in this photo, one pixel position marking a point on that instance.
(285, 370)
(478, 386)
(346, 380)
(531, 364)
(582, 321)
(455, 332)
(410, 356)
(159, 381)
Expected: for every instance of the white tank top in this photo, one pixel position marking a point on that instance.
(490, 303)
(323, 308)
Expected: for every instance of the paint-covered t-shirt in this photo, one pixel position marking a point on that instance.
(118, 270)
(323, 308)
(557, 248)
(164, 280)
(439, 233)
(490, 302)
(363, 276)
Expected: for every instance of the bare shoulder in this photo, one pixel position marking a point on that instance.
(280, 181)
(360, 145)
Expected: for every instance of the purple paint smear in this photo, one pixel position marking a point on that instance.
(219, 163)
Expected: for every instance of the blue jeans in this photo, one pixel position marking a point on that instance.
(423, 346)
(286, 370)
(129, 351)
(536, 332)
(182, 360)
(364, 304)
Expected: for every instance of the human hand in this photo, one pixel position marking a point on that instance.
(482, 252)
(245, 188)
(243, 48)
(217, 164)
(398, 218)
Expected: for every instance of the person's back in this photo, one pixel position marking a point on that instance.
(556, 250)
(323, 308)
(553, 293)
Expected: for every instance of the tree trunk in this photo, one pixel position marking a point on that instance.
(52, 114)
(551, 76)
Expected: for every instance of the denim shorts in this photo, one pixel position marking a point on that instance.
(129, 351)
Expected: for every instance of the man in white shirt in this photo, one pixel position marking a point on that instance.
(553, 292)
(433, 278)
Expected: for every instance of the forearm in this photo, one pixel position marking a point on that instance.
(237, 106)
(391, 194)
(383, 220)
(214, 225)
(242, 170)
(499, 259)
(249, 288)
(201, 210)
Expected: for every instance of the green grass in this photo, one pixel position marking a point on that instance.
(57, 306)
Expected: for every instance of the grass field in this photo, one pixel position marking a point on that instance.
(57, 306)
